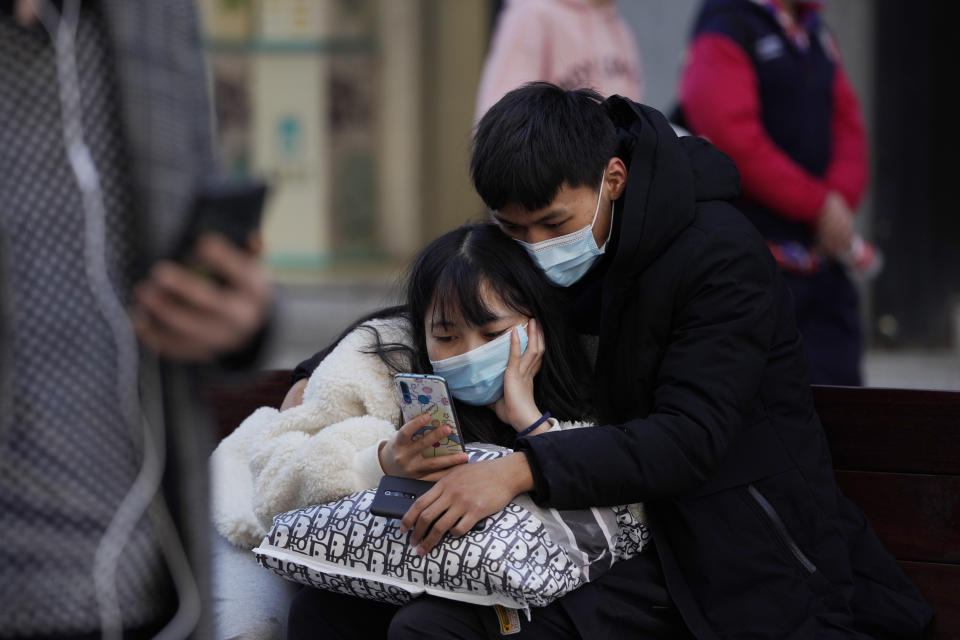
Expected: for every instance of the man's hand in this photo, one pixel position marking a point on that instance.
(24, 13)
(465, 495)
(403, 456)
(834, 228)
(184, 316)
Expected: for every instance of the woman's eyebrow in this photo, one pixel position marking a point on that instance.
(442, 324)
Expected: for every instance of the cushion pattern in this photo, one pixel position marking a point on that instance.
(524, 556)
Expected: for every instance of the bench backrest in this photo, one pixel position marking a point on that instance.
(896, 453)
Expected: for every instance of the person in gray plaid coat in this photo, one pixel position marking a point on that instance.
(104, 137)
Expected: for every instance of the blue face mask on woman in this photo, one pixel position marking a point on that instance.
(566, 259)
(476, 377)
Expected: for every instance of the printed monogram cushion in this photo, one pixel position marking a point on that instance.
(525, 556)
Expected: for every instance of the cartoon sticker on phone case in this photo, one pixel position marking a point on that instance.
(421, 394)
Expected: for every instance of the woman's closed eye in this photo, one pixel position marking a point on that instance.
(493, 335)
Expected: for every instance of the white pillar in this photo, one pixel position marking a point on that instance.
(399, 130)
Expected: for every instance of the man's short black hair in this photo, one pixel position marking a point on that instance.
(535, 139)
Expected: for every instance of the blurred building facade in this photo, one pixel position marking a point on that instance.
(359, 112)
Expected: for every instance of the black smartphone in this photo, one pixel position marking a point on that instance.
(395, 495)
(231, 208)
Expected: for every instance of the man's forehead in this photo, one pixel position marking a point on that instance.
(563, 201)
(517, 214)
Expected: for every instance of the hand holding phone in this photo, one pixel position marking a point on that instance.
(217, 299)
(420, 394)
(230, 208)
(403, 456)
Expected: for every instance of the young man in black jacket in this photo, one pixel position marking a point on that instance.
(705, 409)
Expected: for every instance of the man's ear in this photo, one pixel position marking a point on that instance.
(616, 177)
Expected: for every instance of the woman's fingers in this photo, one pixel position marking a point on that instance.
(526, 361)
(431, 437)
(412, 426)
(397, 456)
(530, 363)
(538, 341)
(516, 355)
(428, 467)
(406, 454)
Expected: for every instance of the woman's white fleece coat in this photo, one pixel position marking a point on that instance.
(319, 451)
(316, 452)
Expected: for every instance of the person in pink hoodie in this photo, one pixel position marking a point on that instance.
(571, 43)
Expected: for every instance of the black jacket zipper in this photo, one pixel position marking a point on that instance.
(781, 530)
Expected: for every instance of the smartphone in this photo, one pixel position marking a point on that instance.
(231, 208)
(421, 394)
(395, 495)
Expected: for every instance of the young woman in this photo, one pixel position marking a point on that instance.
(478, 310)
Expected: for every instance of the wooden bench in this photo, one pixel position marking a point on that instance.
(896, 453)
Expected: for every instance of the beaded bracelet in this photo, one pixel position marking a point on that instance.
(540, 421)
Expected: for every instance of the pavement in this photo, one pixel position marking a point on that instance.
(313, 315)
(317, 312)
(913, 369)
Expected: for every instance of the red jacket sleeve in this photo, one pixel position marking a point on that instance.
(720, 100)
(847, 172)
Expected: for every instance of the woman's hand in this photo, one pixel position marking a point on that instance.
(402, 456)
(294, 395)
(465, 495)
(517, 406)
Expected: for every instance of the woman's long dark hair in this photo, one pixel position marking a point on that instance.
(446, 279)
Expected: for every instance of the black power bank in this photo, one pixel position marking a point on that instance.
(395, 495)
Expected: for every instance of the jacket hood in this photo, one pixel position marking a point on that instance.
(666, 177)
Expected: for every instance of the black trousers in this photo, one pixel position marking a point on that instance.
(332, 616)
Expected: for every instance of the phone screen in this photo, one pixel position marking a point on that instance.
(419, 394)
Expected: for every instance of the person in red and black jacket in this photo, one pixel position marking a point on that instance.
(764, 82)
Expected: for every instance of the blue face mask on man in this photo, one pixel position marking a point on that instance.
(566, 259)
(476, 377)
